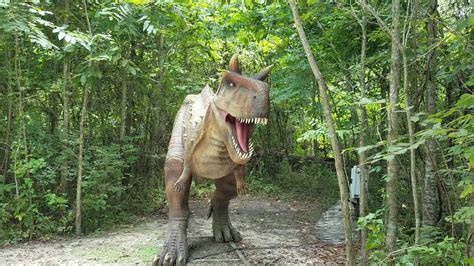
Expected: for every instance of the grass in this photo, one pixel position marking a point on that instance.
(117, 254)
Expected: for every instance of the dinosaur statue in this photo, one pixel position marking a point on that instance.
(211, 139)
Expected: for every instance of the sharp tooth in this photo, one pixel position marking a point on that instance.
(258, 120)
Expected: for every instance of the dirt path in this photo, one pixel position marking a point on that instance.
(273, 232)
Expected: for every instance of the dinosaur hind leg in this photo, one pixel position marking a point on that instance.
(222, 228)
(175, 248)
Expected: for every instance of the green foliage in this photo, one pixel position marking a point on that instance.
(374, 224)
(453, 126)
(297, 181)
(161, 51)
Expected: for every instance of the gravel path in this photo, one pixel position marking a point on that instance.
(273, 231)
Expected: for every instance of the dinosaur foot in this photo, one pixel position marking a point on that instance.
(222, 228)
(226, 233)
(175, 248)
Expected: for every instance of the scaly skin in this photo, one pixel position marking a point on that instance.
(210, 139)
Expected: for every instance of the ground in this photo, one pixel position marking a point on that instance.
(274, 231)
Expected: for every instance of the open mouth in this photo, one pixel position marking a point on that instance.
(242, 128)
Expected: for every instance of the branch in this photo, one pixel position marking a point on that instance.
(384, 26)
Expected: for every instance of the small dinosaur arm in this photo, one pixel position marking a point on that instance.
(213, 122)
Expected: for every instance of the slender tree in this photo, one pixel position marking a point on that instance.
(123, 111)
(362, 137)
(392, 165)
(63, 184)
(343, 187)
(80, 163)
(8, 133)
(430, 189)
(399, 48)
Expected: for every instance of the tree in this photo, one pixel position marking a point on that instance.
(392, 165)
(63, 184)
(343, 186)
(80, 163)
(362, 136)
(430, 188)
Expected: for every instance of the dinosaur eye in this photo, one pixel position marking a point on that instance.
(231, 84)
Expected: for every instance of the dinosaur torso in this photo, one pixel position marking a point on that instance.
(205, 151)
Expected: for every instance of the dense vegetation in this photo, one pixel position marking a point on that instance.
(89, 89)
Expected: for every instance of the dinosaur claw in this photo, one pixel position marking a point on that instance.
(242, 191)
(178, 187)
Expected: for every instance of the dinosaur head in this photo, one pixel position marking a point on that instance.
(242, 102)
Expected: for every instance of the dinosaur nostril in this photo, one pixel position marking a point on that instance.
(255, 97)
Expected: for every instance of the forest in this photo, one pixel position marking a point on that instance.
(89, 91)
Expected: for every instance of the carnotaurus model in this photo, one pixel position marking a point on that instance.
(211, 139)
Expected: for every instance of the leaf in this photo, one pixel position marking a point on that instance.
(469, 154)
(132, 70)
(83, 79)
(467, 191)
(145, 25)
(466, 101)
(61, 35)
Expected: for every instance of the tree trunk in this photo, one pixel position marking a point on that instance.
(78, 221)
(470, 239)
(80, 161)
(392, 164)
(123, 109)
(415, 101)
(430, 191)
(20, 102)
(63, 183)
(7, 142)
(392, 202)
(159, 93)
(343, 188)
(411, 137)
(362, 141)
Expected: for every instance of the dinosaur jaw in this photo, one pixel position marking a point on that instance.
(240, 130)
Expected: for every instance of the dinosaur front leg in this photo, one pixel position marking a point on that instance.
(175, 248)
(185, 177)
(222, 228)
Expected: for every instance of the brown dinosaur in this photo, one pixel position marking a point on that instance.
(211, 139)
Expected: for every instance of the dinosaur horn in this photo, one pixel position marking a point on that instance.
(264, 73)
(234, 64)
